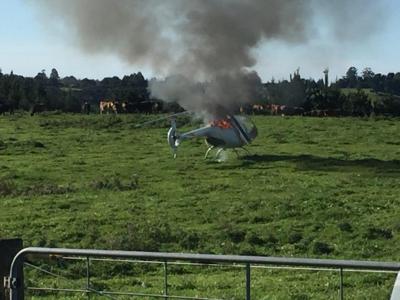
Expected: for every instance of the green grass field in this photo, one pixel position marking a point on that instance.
(312, 187)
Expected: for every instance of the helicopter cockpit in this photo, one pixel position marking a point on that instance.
(248, 125)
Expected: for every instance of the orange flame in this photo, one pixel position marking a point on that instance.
(223, 123)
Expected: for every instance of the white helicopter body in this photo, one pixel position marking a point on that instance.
(229, 133)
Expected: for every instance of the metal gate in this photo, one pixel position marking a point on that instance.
(16, 285)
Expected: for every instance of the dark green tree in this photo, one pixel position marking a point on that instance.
(54, 74)
(352, 77)
(367, 74)
(54, 78)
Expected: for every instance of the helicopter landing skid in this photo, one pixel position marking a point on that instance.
(211, 148)
(219, 152)
(222, 149)
(208, 151)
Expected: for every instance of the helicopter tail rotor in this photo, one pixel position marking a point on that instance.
(173, 137)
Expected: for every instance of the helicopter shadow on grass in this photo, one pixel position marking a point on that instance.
(306, 162)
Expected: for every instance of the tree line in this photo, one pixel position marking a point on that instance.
(354, 94)
(68, 94)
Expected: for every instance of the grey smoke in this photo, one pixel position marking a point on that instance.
(216, 98)
(203, 48)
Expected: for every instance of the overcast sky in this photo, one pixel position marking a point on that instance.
(29, 44)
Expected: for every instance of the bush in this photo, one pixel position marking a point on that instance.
(44, 189)
(231, 231)
(6, 187)
(271, 240)
(295, 237)
(373, 233)
(345, 227)
(235, 235)
(254, 239)
(322, 248)
(116, 183)
(38, 144)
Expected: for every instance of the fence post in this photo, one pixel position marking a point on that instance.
(341, 293)
(248, 281)
(8, 249)
(88, 277)
(166, 280)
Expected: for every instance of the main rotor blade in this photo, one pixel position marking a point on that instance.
(162, 119)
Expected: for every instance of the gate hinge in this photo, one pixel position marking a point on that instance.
(10, 282)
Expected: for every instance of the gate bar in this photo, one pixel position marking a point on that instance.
(202, 258)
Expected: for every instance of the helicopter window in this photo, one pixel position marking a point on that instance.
(247, 124)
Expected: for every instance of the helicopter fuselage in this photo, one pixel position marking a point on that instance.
(216, 136)
(230, 132)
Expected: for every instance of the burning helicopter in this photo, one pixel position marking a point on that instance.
(231, 132)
